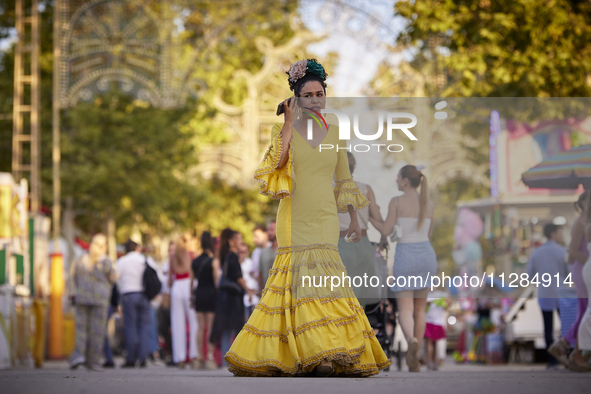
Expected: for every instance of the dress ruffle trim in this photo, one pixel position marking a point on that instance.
(347, 193)
(276, 182)
(289, 335)
(271, 367)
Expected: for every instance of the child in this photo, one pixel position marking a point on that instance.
(434, 331)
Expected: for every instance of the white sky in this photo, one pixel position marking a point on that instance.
(350, 35)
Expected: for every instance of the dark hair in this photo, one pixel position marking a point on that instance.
(297, 87)
(550, 229)
(417, 179)
(314, 71)
(225, 237)
(130, 246)
(579, 207)
(206, 242)
(260, 227)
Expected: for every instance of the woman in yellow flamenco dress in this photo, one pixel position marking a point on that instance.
(299, 329)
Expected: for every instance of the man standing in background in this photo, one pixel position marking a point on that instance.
(549, 258)
(261, 241)
(136, 307)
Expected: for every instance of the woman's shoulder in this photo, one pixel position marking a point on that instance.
(233, 257)
(201, 257)
(105, 259)
(395, 200)
(579, 223)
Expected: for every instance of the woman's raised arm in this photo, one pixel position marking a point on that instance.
(286, 131)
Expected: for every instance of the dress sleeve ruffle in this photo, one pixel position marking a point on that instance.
(346, 193)
(276, 182)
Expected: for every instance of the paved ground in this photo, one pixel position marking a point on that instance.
(452, 379)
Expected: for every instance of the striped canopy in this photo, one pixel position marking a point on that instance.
(565, 170)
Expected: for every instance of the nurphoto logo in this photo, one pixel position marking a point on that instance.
(392, 123)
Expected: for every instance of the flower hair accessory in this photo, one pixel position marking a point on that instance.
(299, 70)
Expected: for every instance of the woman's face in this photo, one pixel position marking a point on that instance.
(236, 241)
(312, 96)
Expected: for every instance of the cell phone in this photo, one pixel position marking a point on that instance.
(281, 108)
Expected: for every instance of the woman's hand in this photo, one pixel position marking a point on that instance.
(289, 105)
(250, 292)
(354, 228)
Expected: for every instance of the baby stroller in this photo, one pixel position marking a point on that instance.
(381, 309)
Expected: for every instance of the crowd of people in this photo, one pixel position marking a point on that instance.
(190, 317)
(256, 311)
(206, 298)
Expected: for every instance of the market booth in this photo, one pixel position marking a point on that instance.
(514, 216)
(23, 266)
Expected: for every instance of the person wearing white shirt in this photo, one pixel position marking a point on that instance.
(246, 265)
(261, 241)
(136, 306)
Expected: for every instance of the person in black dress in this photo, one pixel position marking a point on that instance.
(205, 298)
(229, 317)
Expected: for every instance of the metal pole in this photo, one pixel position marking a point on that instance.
(17, 118)
(35, 126)
(56, 151)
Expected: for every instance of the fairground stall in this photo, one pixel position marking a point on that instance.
(513, 218)
(23, 267)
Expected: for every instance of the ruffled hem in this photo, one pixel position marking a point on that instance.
(293, 329)
(276, 182)
(347, 193)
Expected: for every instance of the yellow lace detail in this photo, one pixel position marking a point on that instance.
(347, 193)
(310, 265)
(303, 248)
(341, 356)
(264, 333)
(260, 173)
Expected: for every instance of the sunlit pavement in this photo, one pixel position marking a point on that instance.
(56, 378)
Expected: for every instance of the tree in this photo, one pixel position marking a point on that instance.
(124, 157)
(108, 141)
(484, 48)
(7, 22)
(503, 48)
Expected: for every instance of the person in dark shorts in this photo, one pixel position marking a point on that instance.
(204, 300)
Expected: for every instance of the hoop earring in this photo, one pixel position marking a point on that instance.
(298, 112)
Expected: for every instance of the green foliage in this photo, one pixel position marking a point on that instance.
(219, 38)
(230, 206)
(485, 48)
(125, 157)
(7, 9)
(502, 48)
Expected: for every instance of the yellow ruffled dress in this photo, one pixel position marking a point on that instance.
(296, 325)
